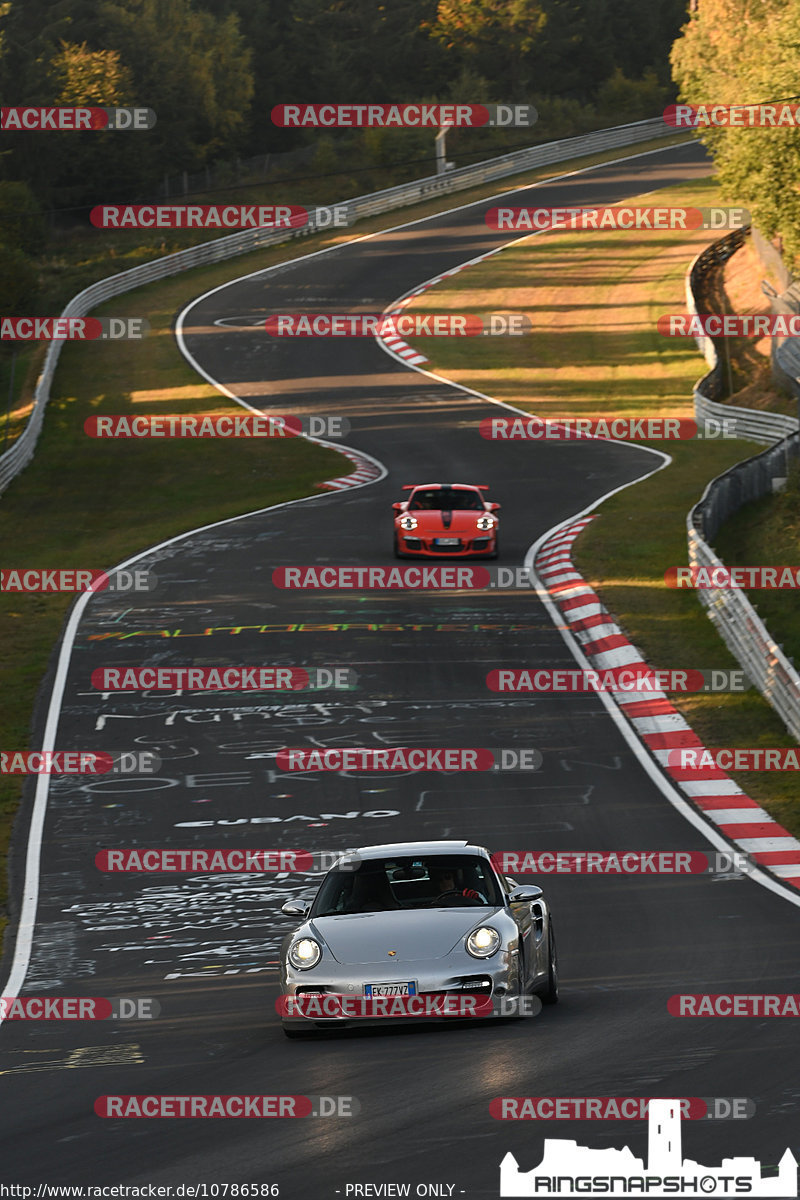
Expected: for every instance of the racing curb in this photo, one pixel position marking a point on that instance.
(366, 470)
(394, 344)
(655, 720)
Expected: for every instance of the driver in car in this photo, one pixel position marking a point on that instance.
(444, 881)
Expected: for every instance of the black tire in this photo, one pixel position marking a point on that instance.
(296, 1033)
(549, 993)
(397, 553)
(496, 548)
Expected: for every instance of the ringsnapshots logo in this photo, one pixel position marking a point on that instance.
(63, 118)
(616, 218)
(403, 116)
(570, 1170)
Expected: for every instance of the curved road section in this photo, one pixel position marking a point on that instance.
(205, 946)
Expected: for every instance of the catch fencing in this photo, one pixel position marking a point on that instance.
(734, 617)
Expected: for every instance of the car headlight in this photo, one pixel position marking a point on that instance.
(305, 954)
(483, 942)
(408, 522)
(486, 522)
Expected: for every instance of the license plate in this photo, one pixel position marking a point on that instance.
(447, 541)
(390, 989)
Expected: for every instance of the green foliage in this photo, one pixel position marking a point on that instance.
(621, 99)
(21, 221)
(18, 280)
(713, 62)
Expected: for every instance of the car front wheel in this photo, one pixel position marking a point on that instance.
(549, 993)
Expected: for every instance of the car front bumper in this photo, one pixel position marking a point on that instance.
(460, 976)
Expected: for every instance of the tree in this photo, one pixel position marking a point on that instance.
(713, 63)
(493, 37)
(21, 220)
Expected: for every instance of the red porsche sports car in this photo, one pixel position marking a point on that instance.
(445, 519)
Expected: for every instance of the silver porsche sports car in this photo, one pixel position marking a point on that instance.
(421, 923)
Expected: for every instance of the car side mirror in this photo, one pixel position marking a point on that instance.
(296, 908)
(493, 506)
(398, 504)
(525, 893)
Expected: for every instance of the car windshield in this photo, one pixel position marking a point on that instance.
(381, 884)
(446, 499)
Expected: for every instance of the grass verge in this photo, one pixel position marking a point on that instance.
(767, 533)
(594, 299)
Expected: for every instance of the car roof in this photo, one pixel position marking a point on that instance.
(406, 849)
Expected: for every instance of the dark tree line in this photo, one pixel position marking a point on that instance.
(213, 69)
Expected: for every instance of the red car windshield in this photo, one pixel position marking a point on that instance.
(446, 499)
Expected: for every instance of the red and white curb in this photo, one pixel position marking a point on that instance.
(656, 721)
(395, 344)
(366, 470)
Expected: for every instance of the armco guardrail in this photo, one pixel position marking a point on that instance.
(20, 454)
(736, 621)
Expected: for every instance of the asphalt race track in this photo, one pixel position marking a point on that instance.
(205, 946)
